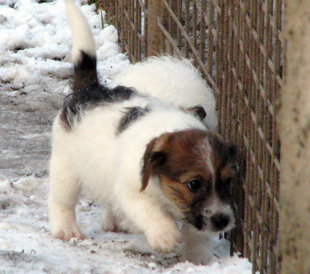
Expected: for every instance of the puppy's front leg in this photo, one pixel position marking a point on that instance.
(159, 228)
(196, 247)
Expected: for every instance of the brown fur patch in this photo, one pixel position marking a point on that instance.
(179, 157)
(178, 193)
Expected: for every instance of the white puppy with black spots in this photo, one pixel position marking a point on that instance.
(149, 162)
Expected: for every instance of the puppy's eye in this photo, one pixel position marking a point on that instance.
(194, 185)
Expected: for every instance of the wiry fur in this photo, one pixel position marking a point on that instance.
(149, 163)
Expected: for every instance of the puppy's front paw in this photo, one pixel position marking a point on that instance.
(164, 240)
(68, 232)
(197, 258)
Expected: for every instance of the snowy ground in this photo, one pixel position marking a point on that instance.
(34, 75)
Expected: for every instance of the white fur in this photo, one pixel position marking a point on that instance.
(93, 156)
(173, 80)
(82, 38)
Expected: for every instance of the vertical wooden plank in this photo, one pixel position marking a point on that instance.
(154, 33)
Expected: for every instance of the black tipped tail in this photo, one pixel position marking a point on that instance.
(83, 49)
(85, 72)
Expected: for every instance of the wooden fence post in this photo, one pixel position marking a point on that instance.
(154, 38)
(294, 122)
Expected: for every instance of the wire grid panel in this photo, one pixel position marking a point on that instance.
(129, 18)
(189, 30)
(238, 48)
(250, 80)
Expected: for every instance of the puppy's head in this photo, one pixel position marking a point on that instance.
(195, 169)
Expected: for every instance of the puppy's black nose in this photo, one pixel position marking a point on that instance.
(220, 221)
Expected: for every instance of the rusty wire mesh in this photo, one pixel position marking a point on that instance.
(238, 48)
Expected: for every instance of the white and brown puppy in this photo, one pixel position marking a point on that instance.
(149, 163)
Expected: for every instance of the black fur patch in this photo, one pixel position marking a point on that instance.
(88, 98)
(87, 92)
(131, 115)
(198, 111)
(194, 215)
(85, 72)
(198, 222)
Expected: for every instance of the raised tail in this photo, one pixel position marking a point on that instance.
(83, 49)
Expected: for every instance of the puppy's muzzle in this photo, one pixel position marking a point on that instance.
(220, 221)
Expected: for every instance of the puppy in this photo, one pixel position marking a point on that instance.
(150, 164)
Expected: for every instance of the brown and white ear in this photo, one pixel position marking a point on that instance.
(154, 157)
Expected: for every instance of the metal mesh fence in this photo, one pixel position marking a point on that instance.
(238, 48)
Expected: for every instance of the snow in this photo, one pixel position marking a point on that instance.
(35, 68)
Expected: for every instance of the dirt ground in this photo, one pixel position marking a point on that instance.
(25, 130)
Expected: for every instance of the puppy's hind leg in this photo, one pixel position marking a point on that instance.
(63, 196)
(108, 221)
